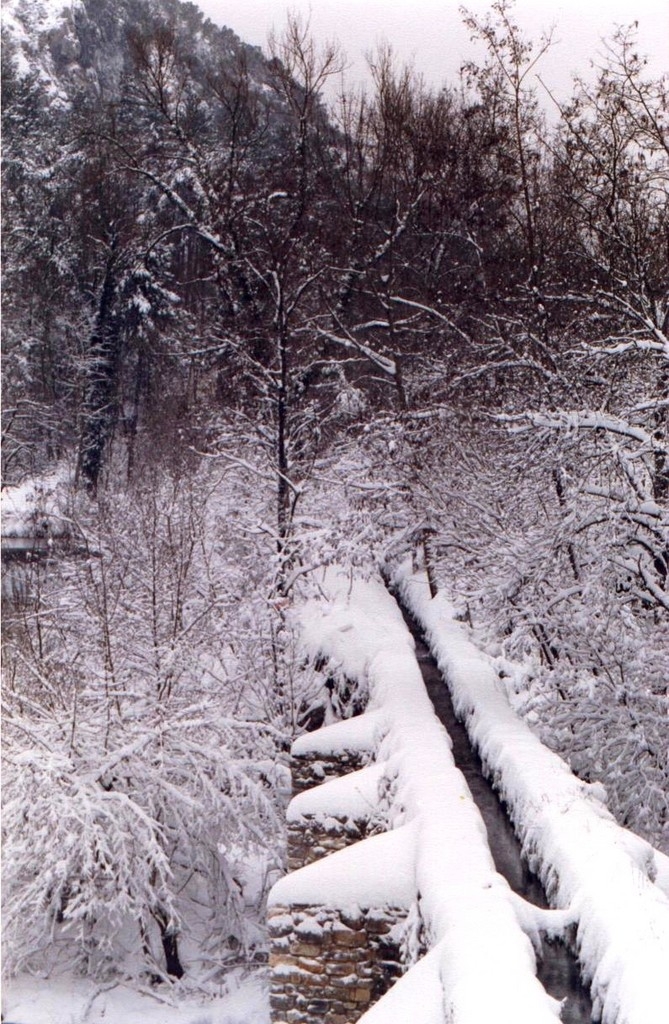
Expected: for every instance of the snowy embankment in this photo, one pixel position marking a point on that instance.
(481, 964)
(34, 508)
(601, 873)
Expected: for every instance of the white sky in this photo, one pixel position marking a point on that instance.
(430, 33)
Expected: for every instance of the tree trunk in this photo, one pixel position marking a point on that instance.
(99, 401)
(283, 488)
(170, 943)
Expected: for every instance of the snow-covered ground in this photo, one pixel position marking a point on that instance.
(35, 505)
(602, 878)
(78, 1001)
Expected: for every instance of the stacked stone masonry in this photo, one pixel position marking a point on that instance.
(313, 838)
(329, 966)
(310, 770)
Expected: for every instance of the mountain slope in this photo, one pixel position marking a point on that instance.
(73, 46)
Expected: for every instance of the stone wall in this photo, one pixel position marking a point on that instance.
(312, 838)
(311, 769)
(329, 966)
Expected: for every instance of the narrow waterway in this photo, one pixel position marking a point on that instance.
(558, 969)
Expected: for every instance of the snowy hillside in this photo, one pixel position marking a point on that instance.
(78, 46)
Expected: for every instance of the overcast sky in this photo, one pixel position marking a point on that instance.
(430, 33)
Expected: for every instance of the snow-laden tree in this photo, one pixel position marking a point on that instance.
(557, 534)
(535, 559)
(90, 335)
(142, 772)
(235, 174)
(40, 320)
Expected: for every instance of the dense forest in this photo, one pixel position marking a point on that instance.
(247, 333)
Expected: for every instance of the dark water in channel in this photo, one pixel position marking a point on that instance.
(558, 969)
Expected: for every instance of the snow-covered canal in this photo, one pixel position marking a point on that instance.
(557, 970)
(448, 853)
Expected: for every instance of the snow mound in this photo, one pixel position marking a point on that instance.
(376, 872)
(354, 736)
(354, 796)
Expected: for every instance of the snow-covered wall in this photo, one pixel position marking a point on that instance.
(601, 874)
(435, 861)
(322, 823)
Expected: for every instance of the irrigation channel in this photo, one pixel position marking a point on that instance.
(558, 969)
